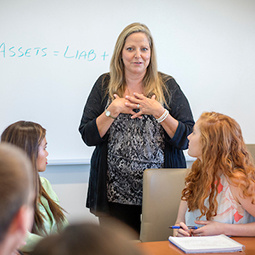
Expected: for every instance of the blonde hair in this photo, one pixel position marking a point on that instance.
(153, 82)
(223, 152)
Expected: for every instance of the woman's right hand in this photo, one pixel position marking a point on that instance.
(118, 106)
(183, 230)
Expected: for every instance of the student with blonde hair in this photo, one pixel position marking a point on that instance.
(17, 196)
(219, 197)
(49, 216)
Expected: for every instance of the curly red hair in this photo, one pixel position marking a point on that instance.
(223, 152)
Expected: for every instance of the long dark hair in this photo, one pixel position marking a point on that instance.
(28, 136)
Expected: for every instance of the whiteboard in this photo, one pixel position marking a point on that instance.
(52, 52)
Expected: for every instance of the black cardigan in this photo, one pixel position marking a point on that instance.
(178, 108)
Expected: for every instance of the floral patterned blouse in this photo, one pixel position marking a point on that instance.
(134, 145)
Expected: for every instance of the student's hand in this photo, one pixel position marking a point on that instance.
(209, 228)
(184, 230)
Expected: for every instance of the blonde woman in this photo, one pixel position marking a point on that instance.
(219, 193)
(137, 118)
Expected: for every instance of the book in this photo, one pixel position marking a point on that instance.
(206, 244)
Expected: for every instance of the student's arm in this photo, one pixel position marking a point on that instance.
(181, 212)
(180, 221)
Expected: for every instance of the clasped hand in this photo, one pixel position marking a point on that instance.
(149, 106)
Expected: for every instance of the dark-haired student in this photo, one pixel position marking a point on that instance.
(49, 216)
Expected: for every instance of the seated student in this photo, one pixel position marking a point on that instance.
(49, 216)
(16, 198)
(220, 188)
(88, 238)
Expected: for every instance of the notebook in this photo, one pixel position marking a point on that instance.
(204, 244)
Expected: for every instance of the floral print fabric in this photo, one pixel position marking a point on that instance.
(134, 145)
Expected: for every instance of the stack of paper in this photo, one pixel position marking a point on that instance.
(204, 244)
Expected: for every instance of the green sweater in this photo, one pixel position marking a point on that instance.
(50, 226)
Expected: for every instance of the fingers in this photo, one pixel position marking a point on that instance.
(139, 96)
(202, 222)
(197, 233)
(133, 100)
(136, 115)
(137, 101)
(208, 228)
(184, 230)
(118, 104)
(203, 230)
(153, 97)
(132, 105)
(136, 98)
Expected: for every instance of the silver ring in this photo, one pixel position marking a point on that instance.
(138, 106)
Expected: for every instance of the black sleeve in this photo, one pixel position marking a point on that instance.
(180, 110)
(94, 107)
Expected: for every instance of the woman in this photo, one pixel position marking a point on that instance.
(137, 118)
(49, 216)
(219, 193)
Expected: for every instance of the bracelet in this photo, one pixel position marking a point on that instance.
(163, 116)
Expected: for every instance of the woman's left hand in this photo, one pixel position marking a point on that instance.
(209, 228)
(149, 106)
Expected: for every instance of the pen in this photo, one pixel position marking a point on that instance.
(178, 227)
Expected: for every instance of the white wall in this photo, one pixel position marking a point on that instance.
(207, 45)
(51, 54)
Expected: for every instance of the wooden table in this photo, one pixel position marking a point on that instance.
(166, 248)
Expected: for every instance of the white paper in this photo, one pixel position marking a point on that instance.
(203, 244)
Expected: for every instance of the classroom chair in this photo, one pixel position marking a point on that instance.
(251, 149)
(161, 198)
